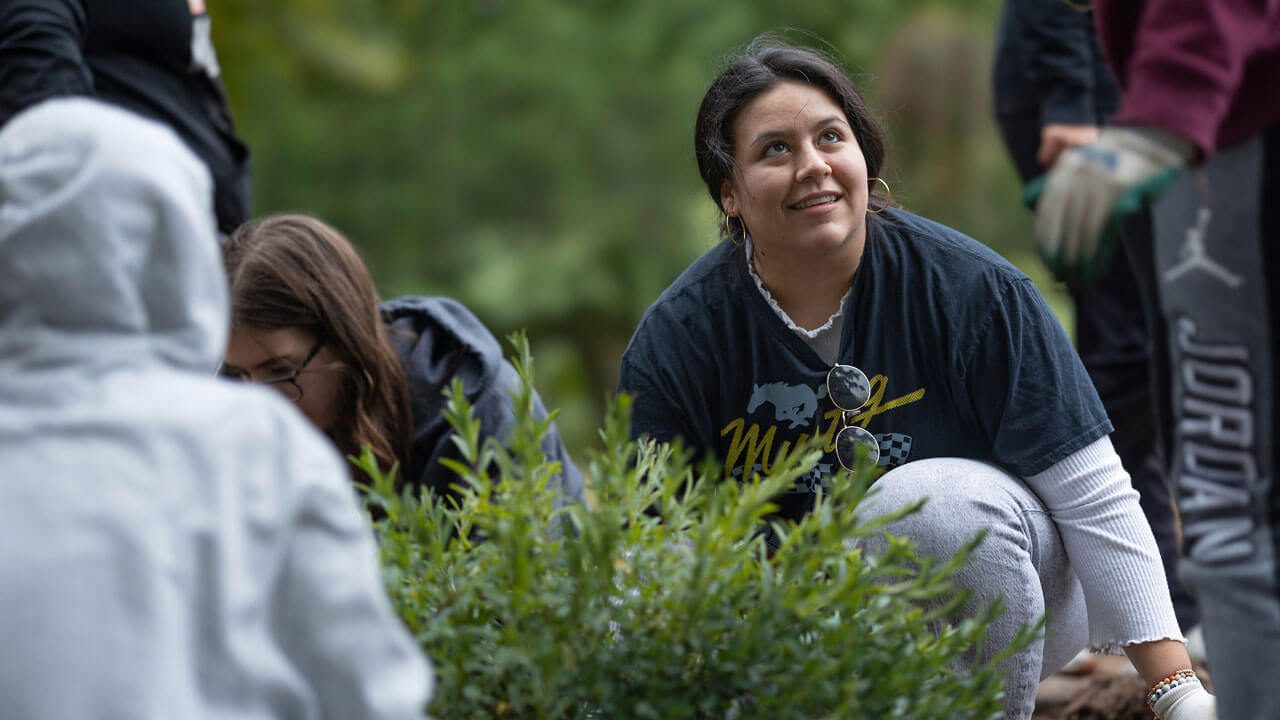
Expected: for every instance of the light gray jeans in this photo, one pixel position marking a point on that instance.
(1022, 560)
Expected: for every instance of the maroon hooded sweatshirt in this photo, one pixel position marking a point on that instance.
(1208, 70)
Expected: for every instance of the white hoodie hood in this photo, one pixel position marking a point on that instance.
(107, 242)
(172, 545)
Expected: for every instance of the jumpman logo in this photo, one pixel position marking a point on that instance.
(1193, 255)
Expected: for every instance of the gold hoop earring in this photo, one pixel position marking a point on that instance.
(738, 239)
(888, 196)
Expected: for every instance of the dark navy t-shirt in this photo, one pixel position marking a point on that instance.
(964, 356)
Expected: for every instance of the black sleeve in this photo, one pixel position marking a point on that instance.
(41, 57)
(1061, 59)
(1026, 384)
(655, 412)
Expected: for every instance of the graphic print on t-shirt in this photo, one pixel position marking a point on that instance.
(774, 409)
(795, 404)
(929, 310)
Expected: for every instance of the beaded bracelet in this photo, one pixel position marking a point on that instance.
(1171, 681)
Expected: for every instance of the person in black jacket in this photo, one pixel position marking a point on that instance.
(1052, 92)
(153, 57)
(306, 321)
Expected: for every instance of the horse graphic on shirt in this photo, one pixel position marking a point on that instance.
(795, 404)
(749, 447)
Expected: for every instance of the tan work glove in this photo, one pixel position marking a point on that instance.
(1082, 202)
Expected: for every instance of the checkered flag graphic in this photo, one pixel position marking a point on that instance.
(894, 448)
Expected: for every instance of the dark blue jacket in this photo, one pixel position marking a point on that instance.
(438, 339)
(1047, 58)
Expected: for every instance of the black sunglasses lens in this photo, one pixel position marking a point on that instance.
(848, 387)
(848, 442)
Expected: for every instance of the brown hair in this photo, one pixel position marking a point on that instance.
(765, 63)
(295, 271)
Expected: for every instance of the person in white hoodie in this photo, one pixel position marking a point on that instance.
(171, 545)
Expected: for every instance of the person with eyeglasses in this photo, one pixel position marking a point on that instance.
(827, 311)
(171, 545)
(282, 372)
(281, 377)
(306, 322)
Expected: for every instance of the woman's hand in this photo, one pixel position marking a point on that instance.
(1159, 662)
(1186, 702)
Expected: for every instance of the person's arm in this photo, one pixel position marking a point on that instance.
(1048, 426)
(654, 413)
(1188, 63)
(1031, 393)
(1035, 399)
(1186, 67)
(331, 610)
(41, 55)
(1061, 62)
(1111, 548)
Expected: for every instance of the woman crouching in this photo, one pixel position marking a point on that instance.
(827, 312)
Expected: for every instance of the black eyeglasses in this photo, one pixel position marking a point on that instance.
(850, 390)
(287, 385)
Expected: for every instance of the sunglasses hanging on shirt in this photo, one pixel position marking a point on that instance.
(850, 391)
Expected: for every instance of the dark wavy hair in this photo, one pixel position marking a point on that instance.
(295, 271)
(766, 62)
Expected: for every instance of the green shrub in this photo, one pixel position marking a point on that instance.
(529, 610)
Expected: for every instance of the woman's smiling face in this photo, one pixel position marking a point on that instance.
(800, 181)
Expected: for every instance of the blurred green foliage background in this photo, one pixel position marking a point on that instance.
(533, 158)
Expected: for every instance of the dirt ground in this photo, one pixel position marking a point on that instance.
(1111, 691)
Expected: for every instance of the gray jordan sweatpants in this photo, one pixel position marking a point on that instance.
(1217, 247)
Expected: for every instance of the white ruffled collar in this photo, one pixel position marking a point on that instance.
(782, 314)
